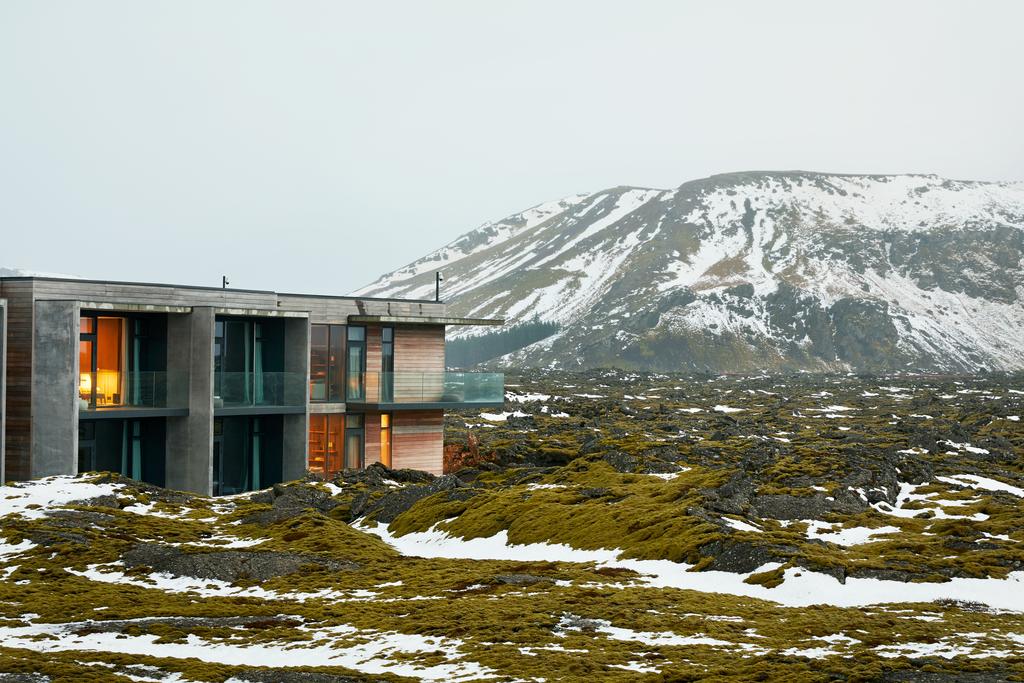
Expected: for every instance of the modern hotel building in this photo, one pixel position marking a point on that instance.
(220, 391)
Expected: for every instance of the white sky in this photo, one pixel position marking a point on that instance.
(312, 146)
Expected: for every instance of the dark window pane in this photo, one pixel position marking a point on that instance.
(356, 333)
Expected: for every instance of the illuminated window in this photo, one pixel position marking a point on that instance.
(385, 439)
(101, 352)
(326, 435)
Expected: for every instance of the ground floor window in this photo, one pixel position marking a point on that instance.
(247, 453)
(336, 442)
(385, 439)
(133, 448)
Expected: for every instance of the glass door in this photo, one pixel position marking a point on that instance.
(86, 446)
(354, 442)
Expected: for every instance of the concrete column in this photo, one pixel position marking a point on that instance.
(55, 388)
(190, 439)
(295, 446)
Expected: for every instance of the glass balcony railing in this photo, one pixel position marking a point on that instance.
(446, 388)
(242, 389)
(107, 390)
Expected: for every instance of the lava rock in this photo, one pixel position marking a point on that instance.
(227, 565)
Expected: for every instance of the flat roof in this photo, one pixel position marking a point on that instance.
(424, 320)
(22, 278)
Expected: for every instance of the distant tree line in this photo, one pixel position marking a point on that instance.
(463, 353)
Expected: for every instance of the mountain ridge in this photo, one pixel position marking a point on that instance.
(752, 271)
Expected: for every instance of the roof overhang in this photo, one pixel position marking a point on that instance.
(422, 320)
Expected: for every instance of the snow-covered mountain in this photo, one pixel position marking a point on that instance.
(20, 272)
(752, 271)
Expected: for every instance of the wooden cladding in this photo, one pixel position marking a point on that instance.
(418, 440)
(18, 425)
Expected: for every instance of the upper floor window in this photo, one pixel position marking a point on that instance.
(356, 364)
(326, 363)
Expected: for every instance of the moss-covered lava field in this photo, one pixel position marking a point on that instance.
(604, 526)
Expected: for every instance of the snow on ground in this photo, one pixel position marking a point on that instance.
(525, 398)
(801, 587)
(828, 531)
(907, 495)
(366, 651)
(11, 549)
(501, 417)
(740, 525)
(32, 499)
(976, 482)
(727, 409)
(215, 588)
(648, 638)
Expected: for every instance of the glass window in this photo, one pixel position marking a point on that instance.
(326, 358)
(86, 325)
(326, 434)
(385, 439)
(109, 351)
(354, 441)
(336, 365)
(318, 444)
(318, 362)
(387, 364)
(355, 368)
(335, 434)
(86, 378)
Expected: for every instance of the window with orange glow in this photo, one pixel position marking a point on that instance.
(385, 439)
(326, 435)
(109, 361)
(85, 370)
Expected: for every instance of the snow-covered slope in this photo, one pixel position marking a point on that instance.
(20, 272)
(747, 271)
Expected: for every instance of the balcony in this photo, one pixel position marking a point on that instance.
(412, 390)
(118, 394)
(256, 392)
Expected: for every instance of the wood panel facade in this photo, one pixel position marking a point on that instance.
(418, 440)
(18, 422)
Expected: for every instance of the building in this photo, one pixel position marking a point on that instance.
(220, 391)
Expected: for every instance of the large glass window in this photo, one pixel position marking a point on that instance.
(326, 436)
(355, 367)
(101, 352)
(326, 369)
(248, 362)
(247, 453)
(133, 448)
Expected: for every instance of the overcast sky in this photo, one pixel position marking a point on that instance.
(312, 146)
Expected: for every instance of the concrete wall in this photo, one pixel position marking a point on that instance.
(55, 389)
(190, 439)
